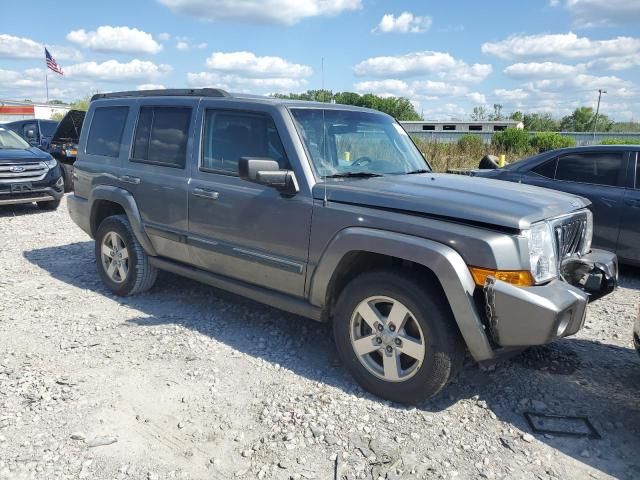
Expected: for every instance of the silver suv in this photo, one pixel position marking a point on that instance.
(332, 213)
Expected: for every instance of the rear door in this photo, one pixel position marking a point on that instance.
(240, 229)
(156, 172)
(629, 240)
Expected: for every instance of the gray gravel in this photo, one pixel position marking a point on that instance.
(189, 382)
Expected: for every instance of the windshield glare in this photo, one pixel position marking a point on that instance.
(9, 139)
(343, 142)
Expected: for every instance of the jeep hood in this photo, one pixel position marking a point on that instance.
(69, 127)
(454, 197)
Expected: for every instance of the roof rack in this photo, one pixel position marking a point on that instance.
(169, 92)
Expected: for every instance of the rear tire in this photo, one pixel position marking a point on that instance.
(67, 173)
(122, 263)
(397, 336)
(49, 204)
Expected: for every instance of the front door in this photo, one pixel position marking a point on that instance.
(239, 229)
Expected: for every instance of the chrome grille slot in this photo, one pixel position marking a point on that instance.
(570, 235)
(22, 172)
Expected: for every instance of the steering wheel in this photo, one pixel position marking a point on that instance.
(362, 162)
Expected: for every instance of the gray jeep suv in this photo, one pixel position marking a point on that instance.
(332, 213)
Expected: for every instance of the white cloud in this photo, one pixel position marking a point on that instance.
(510, 95)
(542, 70)
(477, 97)
(284, 12)
(150, 86)
(115, 39)
(115, 71)
(581, 82)
(615, 63)
(594, 13)
(182, 45)
(245, 84)
(163, 37)
(440, 64)
(567, 45)
(250, 65)
(406, 22)
(22, 47)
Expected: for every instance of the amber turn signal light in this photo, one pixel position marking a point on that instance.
(519, 278)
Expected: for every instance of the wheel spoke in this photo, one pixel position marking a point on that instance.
(111, 269)
(365, 345)
(124, 254)
(398, 315)
(412, 348)
(391, 365)
(107, 251)
(122, 271)
(369, 315)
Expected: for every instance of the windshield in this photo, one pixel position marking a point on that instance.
(9, 139)
(343, 142)
(47, 128)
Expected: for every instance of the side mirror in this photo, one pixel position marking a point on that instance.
(31, 134)
(266, 171)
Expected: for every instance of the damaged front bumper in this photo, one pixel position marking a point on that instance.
(520, 317)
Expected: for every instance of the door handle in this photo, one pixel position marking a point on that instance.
(202, 193)
(130, 179)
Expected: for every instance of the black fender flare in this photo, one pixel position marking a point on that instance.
(446, 264)
(123, 198)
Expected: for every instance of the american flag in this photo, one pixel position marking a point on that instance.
(51, 63)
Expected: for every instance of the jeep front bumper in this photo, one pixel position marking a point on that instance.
(520, 317)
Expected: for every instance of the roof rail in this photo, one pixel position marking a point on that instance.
(169, 92)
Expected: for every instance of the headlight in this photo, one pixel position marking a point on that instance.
(588, 235)
(542, 252)
(51, 163)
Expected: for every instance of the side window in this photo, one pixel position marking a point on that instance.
(546, 169)
(29, 131)
(637, 171)
(161, 136)
(105, 134)
(230, 135)
(595, 168)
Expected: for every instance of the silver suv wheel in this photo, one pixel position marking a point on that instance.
(387, 339)
(115, 257)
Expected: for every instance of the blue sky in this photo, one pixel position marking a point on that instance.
(446, 57)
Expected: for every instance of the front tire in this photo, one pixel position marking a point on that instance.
(122, 263)
(397, 336)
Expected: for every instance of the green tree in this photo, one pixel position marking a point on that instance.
(536, 122)
(479, 113)
(497, 112)
(582, 120)
(512, 140)
(518, 116)
(398, 107)
(81, 104)
(545, 141)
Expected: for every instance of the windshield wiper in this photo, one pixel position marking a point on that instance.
(415, 172)
(353, 175)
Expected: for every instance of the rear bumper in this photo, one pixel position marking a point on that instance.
(79, 212)
(520, 317)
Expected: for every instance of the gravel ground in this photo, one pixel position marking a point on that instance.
(189, 382)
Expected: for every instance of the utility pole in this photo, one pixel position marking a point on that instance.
(595, 120)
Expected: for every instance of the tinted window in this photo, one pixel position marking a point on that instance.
(161, 136)
(546, 169)
(229, 136)
(105, 135)
(595, 168)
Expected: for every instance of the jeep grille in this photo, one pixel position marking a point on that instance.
(570, 235)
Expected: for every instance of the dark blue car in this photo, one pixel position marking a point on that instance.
(27, 174)
(608, 175)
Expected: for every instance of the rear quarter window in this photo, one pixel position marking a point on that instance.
(161, 136)
(105, 133)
